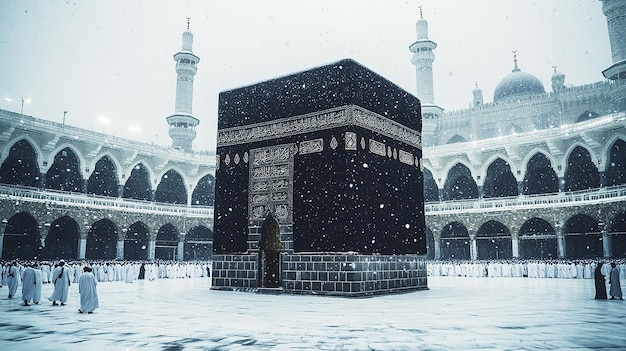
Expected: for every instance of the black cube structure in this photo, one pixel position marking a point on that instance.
(319, 185)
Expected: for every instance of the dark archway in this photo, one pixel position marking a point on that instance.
(199, 244)
(617, 233)
(431, 191)
(20, 166)
(581, 173)
(499, 181)
(616, 168)
(537, 240)
(102, 241)
(64, 174)
(103, 179)
(587, 115)
(138, 184)
(540, 178)
(269, 254)
(166, 243)
(62, 239)
(21, 238)
(204, 193)
(454, 243)
(171, 189)
(493, 242)
(136, 242)
(582, 237)
(456, 139)
(460, 185)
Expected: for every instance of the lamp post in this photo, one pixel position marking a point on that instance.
(24, 100)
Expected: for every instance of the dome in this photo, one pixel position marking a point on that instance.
(517, 84)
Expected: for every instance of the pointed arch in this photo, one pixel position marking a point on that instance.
(540, 177)
(103, 180)
(455, 242)
(537, 239)
(63, 239)
(138, 185)
(456, 139)
(204, 192)
(460, 184)
(102, 241)
(581, 172)
(199, 244)
(71, 147)
(21, 238)
(431, 191)
(583, 238)
(137, 242)
(166, 243)
(499, 180)
(33, 144)
(616, 166)
(493, 241)
(65, 171)
(171, 188)
(20, 165)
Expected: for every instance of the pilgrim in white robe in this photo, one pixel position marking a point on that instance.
(12, 279)
(88, 293)
(28, 285)
(38, 285)
(61, 281)
(616, 287)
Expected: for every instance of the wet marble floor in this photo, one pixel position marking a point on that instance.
(454, 314)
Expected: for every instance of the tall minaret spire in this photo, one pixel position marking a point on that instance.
(182, 123)
(423, 58)
(615, 13)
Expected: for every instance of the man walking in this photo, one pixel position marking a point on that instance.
(616, 286)
(29, 284)
(87, 290)
(61, 281)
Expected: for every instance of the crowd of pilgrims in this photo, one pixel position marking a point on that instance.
(108, 271)
(552, 268)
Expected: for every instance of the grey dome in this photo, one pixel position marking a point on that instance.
(517, 84)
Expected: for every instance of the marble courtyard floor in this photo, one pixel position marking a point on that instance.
(454, 314)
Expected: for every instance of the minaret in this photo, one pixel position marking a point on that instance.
(615, 13)
(478, 96)
(558, 81)
(182, 123)
(423, 58)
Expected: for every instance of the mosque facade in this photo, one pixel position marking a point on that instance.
(539, 172)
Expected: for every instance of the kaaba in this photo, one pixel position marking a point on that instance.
(319, 185)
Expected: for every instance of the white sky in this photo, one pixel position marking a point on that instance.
(114, 58)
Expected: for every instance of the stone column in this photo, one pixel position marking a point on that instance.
(607, 246)
(473, 248)
(437, 249)
(82, 248)
(119, 250)
(561, 184)
(515, 246)
(520, 188)
(4, 228)
(181, 247)
(151, 248)
(560, 241)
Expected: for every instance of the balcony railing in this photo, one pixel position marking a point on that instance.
(63, 198)
(563, 199)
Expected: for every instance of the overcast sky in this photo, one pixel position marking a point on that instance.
(114, 58)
